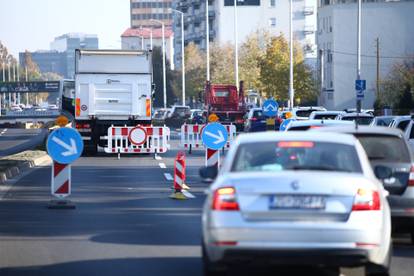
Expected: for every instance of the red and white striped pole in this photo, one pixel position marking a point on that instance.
(212, 158)
(61, 186)
(61, 180)
(179, 172)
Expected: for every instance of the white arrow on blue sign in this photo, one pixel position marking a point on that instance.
(64, 145)
(270, 108)
(285, 124)
(214, 136)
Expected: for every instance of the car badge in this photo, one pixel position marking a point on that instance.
(295, 185)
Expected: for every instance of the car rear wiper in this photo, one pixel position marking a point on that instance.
(376, 157)
(317, 168)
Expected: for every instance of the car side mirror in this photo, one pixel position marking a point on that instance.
(208, 174)
(382, 172)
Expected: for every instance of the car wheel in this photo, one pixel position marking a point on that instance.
(209, 268)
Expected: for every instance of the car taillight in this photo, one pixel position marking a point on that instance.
(80, 126)
(411, 177)
(366, 200)
(224, 199)
(253, 119)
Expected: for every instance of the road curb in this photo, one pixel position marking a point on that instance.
(20, 168)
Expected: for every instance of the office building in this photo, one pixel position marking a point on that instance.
(143, 11)
(389, 22)
(60, 58)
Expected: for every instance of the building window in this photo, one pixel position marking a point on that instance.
(272, 22)
(272, 3)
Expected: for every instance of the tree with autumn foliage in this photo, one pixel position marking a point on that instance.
(274, 72)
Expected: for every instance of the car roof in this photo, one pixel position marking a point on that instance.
(328, 112)
(354, 114)
(365, 129)
(272, 136)
(319, 123)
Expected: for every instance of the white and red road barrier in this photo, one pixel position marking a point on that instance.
(190, 136)
(138, 139)
(179, 178)
(212, 158)
(61, 180)
(179, 172)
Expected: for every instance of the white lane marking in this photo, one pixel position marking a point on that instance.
(3, 131)
(162, 165)
(168, 176)
(157, 157)
(187, 194)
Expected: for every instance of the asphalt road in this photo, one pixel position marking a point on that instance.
(15, 140)
(124, 223)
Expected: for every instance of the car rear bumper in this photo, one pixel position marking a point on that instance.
(314, 257)
(402, 213)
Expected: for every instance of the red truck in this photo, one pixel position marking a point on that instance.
(226, 102)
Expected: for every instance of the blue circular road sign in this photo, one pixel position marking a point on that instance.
(270, 108)
(214, 136)
(285, 124)
(64, 145)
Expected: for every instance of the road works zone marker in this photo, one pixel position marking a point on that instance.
(64, 146)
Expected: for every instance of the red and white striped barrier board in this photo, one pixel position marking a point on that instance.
(191, 135)
(61, 180)
(212, 158)
(139, 139)
(179, 172)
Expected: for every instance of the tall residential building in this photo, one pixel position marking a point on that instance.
(389, 22)
(253, 15)
(142, 11)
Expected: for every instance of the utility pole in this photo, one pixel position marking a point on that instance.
(291, 90)
(207, 43)
(27, 94)
(358, 101)
(378, 67)
(321, 54)
(236, 51)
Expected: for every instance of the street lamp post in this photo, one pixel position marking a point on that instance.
(291, 90)
(236, 51)
(358, 101)
(163, 61)
(9, 79)
(207, 43)
(182, 55)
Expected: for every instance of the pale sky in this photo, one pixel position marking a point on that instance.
(33, 24)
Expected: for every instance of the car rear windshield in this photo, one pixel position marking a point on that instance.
(385, 148)
(359, 120)
(325, 116)
(304, 113)
(221, 93)
(403, 125)
(257, 114)
(296, 155)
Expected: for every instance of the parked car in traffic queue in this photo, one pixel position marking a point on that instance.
(388, 150)
(296, 198)
(256, 121)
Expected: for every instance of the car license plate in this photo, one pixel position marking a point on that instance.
(297, 202)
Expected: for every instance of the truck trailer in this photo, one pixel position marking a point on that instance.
(112, 88)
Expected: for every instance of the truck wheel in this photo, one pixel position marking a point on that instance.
(90, 150)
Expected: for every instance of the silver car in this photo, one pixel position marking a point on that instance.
(298, 198)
